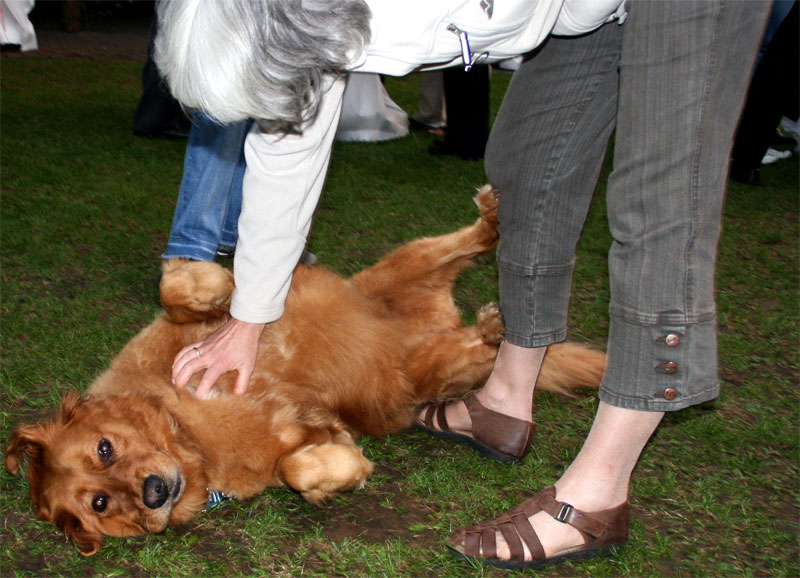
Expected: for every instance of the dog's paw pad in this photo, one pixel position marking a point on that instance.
(490, 324)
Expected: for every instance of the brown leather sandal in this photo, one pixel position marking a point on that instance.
(494, 435)
(602, 532)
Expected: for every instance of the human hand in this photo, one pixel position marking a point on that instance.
(232, 347)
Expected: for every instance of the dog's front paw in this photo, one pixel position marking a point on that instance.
(322, 472)
(195, 290)
(490, 324)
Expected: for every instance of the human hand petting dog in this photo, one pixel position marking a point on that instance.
(232, 347)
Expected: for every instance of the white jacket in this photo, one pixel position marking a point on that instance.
(416, 34)
(285, 174)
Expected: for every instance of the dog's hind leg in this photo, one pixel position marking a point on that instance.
(321, 472)
(416, 278)
(453, 362)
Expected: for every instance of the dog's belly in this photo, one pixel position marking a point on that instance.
(336, 349)
(358, 376)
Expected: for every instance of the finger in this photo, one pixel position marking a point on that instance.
(207, 382)
(184, 357)
(186, 369)
(177, 370)
(189, 352)
(242, 382)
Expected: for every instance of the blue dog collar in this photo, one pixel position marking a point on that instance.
(216, 498)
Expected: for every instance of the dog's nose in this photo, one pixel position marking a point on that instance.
(155, 492)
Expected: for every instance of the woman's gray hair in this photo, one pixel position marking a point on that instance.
(262, 59)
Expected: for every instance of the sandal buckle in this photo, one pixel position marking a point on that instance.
(565, 511)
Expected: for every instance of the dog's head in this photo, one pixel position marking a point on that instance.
(104, 467)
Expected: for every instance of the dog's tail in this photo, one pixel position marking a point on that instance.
(570, 365)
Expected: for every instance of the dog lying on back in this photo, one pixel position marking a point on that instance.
(349, 357)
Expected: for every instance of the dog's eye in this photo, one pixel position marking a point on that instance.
(99, 503)
(105, 450)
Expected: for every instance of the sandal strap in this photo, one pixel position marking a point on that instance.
(528, 535)
(507, 434)
(587, 524)
(509, 531)
(479, 536)
(480, 541)
(437, 409)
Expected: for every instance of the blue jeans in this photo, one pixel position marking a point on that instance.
(672, 81)
(210, 197)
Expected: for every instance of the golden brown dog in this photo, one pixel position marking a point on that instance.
(348, 357)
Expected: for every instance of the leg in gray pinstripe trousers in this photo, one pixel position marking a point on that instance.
(672, 81)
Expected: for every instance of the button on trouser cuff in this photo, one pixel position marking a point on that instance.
(648, 371)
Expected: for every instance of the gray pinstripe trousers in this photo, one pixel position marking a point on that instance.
(672, 80)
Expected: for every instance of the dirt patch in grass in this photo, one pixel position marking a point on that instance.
(376, 514)
(26, 559)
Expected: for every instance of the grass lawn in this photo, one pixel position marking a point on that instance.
(86, 208)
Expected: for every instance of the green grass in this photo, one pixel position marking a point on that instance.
(85, 211)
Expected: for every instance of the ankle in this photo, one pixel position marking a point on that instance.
(506, 399)
(513, 379)
(591, 494)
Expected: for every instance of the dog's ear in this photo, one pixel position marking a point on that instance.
(29, 440)
(26, 441)
(88, 543)
(70, 401)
